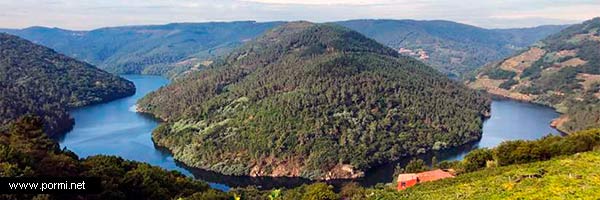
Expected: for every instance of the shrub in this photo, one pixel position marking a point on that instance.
(477, 159)
(508, 84)
(516, 152)
(498, 73)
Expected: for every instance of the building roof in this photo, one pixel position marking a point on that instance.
(433, 175)
(406, 177)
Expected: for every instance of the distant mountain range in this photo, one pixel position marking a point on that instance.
(562, 71)
(318, 101)
(450, 47)
(171, 49)
(160, 49)
(35, 80)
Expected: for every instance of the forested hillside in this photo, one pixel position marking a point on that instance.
(157, 49)
(562, 71)
(313, 100)
(26, 151)
(36, 80)
(452, 48)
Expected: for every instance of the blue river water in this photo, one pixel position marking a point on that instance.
(114, 128)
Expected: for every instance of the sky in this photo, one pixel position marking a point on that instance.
(90, 14)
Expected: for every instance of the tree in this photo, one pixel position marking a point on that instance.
(415, 165)
(319, 191)
(477, 159)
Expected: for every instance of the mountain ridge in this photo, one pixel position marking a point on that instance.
(100, 48)
(450, 47)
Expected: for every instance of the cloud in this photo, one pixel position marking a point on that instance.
(322, 2)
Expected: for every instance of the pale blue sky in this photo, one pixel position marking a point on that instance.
(89, 14)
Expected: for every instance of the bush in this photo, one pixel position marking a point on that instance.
(415, 165)
(498, 73)
(516, 152)
(455, 164)
(508, 84)
(477, 159)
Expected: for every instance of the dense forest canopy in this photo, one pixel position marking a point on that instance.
(313, 100)
(36, 80)
(562, 70)
(26, 151)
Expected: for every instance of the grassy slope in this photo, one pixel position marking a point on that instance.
(569, 177)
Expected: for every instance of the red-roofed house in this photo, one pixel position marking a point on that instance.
(406, 180)
(409, 180)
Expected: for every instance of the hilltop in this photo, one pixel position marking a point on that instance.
(318, 101)
(38, 81)
(562, 71)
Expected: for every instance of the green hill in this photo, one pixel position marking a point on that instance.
(38, 81)
(313, 100)
(562, 71)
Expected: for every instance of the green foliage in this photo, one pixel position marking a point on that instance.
(352, 191)
(515, 152)
(319, 96)
(319, 191)
(25, 150)
(476, 160)
(566, 177)
(455, 164)
(564, 80)
(507, 85)
(36, 80)
(583, 117)
(498, 73)
(534, 71)
(251, 193)
(315, 191)
(415, 165)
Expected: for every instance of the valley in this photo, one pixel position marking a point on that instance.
(114, 128)
(332, 108)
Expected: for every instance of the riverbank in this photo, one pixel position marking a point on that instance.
(556, 123)
(114, 128)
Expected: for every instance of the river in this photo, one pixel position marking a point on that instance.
(114, 128)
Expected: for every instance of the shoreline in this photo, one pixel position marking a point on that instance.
(555, 123)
